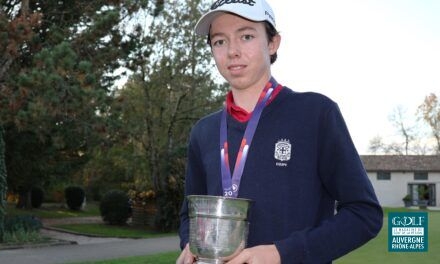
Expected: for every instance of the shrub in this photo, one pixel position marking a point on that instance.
(74, 196)
(21, 229)
(21, 236)
(169, 202)
(95, 193)
(25, 223)
(55, 193)
(37, 197)
(115, 207)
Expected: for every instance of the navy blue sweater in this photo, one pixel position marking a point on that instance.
(294, 185)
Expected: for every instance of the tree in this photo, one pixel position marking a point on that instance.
(172, 89)
(410, 131)
(430, 113)
(57, 66)
(3, 185)
(377, 145)
(405, 130)
(17, 25)
(180, 78)
(15, 29)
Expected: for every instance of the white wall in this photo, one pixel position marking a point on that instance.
(437, 189)
(391, 192)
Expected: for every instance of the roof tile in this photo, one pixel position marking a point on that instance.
(401, 163)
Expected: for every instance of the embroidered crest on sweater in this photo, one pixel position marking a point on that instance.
(283, 151)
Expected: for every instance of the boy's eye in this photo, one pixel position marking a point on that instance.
(247, 37)
(219, 42)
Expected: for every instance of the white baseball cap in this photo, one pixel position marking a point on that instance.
(255, 10)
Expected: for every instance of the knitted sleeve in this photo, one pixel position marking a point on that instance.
(359, 215)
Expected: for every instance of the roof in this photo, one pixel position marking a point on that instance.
(402, 163)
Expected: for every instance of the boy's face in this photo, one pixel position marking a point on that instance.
(242, 51)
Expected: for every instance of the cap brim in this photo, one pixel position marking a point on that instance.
(204, 24)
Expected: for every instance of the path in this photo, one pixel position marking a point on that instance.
(49, 230)
(78, 248)
(89, 251)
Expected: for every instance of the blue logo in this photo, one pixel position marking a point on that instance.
(408, 232)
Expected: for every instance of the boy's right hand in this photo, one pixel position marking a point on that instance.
(186, 257)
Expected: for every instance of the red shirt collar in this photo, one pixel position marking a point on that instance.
(241, 114)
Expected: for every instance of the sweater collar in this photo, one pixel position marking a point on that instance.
(241, 114)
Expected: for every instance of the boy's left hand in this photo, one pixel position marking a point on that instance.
(267, 254)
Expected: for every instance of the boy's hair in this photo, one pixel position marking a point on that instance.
(271, 32)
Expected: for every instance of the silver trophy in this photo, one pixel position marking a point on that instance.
(218, 227)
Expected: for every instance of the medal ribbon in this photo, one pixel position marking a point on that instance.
(232, 184)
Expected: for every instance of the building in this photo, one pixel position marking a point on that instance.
(394, 177)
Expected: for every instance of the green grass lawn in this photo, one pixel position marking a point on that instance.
(92, 209)
(162, 258)
(105, 230)
(375, 251)
(54, 211)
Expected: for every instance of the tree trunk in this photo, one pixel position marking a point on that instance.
(24, 200)
(3, 185)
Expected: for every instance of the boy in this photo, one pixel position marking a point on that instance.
(290, 153)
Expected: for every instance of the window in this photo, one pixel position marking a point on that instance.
(422, 192)
(383, 176)
(420, 176)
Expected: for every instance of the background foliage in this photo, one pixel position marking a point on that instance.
(102, 94)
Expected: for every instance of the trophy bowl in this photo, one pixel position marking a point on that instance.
(218, 227)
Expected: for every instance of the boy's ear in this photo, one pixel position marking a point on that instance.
(274, 44)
